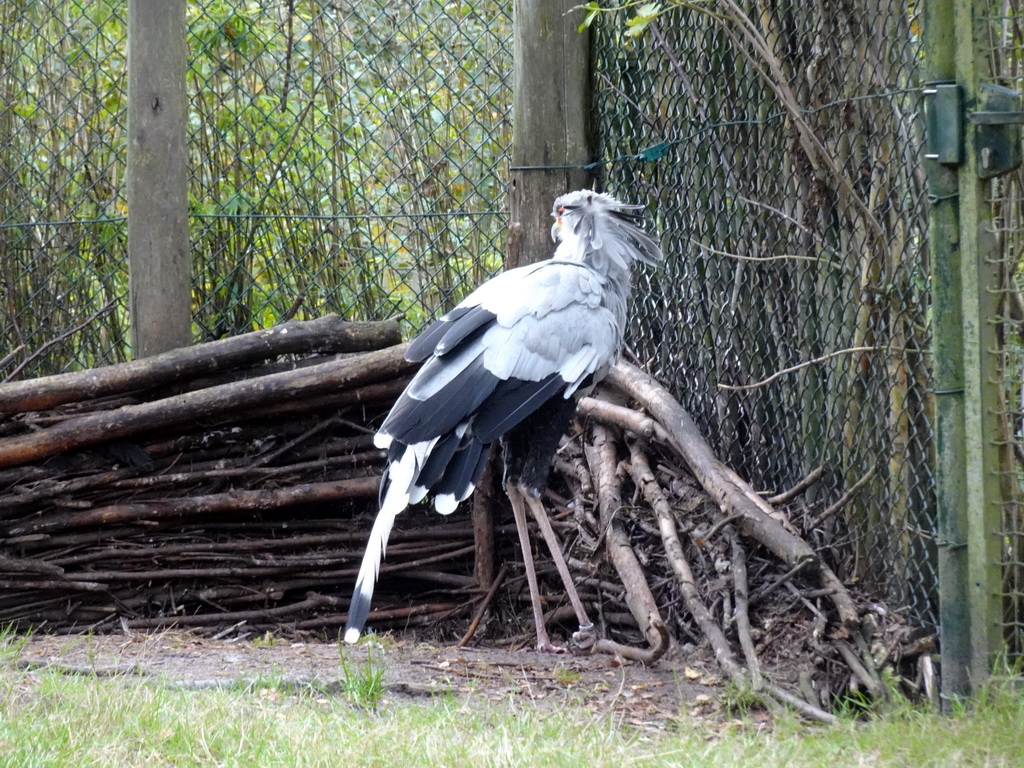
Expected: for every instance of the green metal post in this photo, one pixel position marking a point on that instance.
(948, 374)
(979, 266)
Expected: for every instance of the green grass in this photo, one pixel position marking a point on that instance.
(50, 719)
(362, 683)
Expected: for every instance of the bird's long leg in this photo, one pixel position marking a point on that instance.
(585, 638)
(515, 496)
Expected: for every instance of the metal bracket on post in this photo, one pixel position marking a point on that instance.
(944, 109)
(998, 121)
(998, 132)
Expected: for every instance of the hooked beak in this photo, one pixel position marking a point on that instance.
(556, 229)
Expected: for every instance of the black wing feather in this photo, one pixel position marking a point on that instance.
(439, 458)
(449, 331)
(463, 471)
(513, 401)
(413, 421)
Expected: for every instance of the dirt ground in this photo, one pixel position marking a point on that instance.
(646, 697)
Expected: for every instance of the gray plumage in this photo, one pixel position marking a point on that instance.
(524, 338)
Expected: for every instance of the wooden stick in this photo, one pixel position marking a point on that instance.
(766, 590)
(234, 501)
(326, 334)
(427, 612)
(741, 609)
(646, 656)
(641, 603)
(619, 416)
(57, 584)
(732, 493)
(213, 402)
(70, 332)
(812, 477)
(844, 499)
(443, 553)
(485, 498)
(805, 708)
(397, 542)
(871, 682)
(797, 367)
(644, 478)
(482, 609)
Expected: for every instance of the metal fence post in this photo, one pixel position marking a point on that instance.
(980, 283)
(160, 283)
(948, 372)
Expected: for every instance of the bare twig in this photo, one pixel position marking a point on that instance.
(805, 708)
(618, 416)
(844, 499)
(741, 590)
(641, 602)
(482, 609)
(778, 257)
(812, 477)
(130, 420)
(719, 525)
(646, 656)
(71, 332)
(860, 672)
(732, 493)
(797, 367)
(11, 355)
(766, 590)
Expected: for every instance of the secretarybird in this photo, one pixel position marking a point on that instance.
(509, 363)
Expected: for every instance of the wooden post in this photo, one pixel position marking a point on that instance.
(980, 281)
(160, 285)
(948, 376)
(552, 133)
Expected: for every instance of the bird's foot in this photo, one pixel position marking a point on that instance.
(583, 640)
(544, 644)
(547, 646)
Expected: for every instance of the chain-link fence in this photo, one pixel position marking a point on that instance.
(781, 152)
(62, 204)
(346, 157)
(350, 157)
(1003, 53)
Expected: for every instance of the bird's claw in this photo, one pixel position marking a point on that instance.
(549, 647)
(583, 640)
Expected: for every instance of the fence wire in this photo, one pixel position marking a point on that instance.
(1003, 54)
(780, 150)
(62, 226)
(350, 157)
(346, 157)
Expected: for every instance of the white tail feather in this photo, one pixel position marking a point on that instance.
(402, 475)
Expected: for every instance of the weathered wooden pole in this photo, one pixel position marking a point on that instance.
(160, 281)
(552, 132)
(980, 268)
(552, 137)
(942, 165)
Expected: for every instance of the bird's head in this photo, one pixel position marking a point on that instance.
(595, 227)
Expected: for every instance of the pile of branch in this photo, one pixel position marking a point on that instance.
(661, 533)
(209, 486)
(230, 487)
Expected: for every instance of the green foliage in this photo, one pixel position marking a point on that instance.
(365, 134)
(344, 159)
(636, 22)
